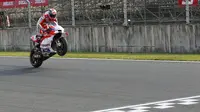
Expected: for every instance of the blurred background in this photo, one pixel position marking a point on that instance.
(109, 12)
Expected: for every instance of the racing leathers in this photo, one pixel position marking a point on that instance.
(45, 31)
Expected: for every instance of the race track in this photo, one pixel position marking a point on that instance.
(73, 85)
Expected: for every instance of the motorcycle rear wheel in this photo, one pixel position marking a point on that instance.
(35, 62)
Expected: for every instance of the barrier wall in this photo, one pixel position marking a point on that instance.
(173, 38)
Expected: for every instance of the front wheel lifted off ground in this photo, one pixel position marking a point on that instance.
(62, 46)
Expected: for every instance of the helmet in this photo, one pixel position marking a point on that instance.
(52, 13)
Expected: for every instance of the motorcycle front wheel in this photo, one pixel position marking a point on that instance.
(61, 46)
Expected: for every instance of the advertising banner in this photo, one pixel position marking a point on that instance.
(191, 2)
(22, 3)
(7, 4)
(40, 3)
(6, 0)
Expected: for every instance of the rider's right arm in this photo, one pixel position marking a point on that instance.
(42, 23)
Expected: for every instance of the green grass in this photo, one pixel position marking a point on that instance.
(135, 56)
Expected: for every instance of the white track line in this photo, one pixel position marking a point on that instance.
(98, 59)
(146, 104)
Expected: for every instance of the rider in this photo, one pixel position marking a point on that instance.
(45, 31)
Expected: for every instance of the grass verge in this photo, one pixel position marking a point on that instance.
(135, 56)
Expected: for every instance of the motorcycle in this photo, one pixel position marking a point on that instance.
(59, 44)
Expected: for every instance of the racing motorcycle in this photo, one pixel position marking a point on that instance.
(59, 44)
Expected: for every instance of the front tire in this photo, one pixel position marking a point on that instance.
(35, 62)
(61, 46)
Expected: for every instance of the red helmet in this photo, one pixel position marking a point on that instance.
(52, 13)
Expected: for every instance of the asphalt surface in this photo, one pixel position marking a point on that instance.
(89, 85)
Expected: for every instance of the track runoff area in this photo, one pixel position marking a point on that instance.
(99, 85)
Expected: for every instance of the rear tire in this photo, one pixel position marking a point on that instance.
(35, 62)
(63, 47)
